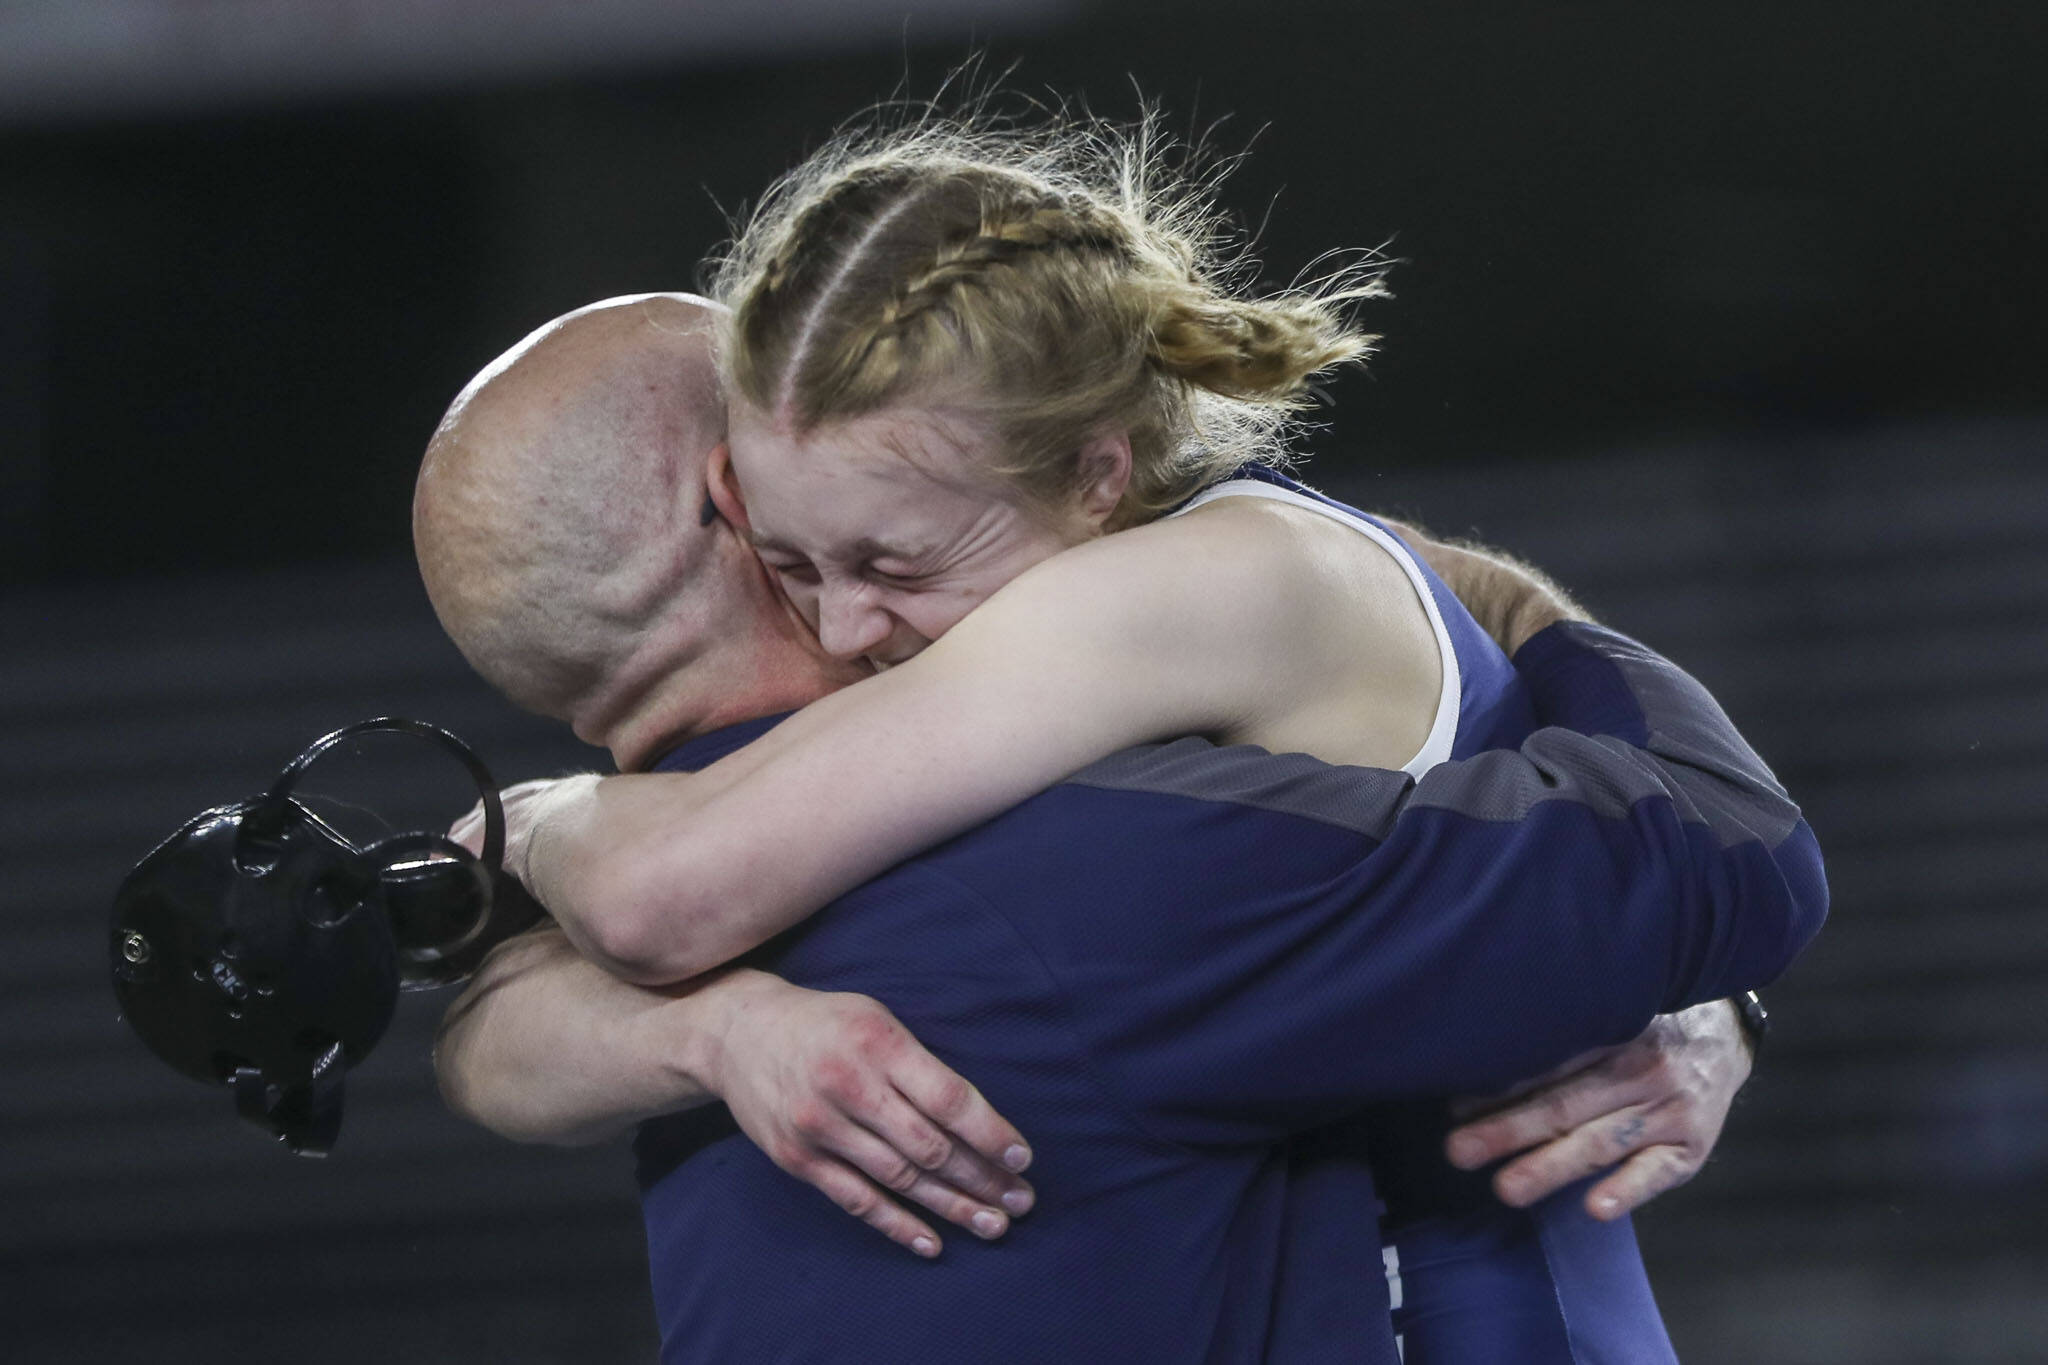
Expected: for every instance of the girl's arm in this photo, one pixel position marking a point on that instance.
(1240, 623)
(544, 1047)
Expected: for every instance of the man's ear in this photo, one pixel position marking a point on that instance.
(724, 489)
(1105, 471)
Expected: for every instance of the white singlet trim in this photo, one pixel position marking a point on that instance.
(1443, 730)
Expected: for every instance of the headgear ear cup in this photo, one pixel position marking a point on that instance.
(259, 954)
(447, 911)
(257, 947)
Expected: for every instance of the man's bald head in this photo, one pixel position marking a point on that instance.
(562, 528)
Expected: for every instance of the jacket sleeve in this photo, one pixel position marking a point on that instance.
(1624, 726)
(1503, 913)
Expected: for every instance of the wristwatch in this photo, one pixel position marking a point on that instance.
(1756, 1020)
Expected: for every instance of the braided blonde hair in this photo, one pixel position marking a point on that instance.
(1054, 281)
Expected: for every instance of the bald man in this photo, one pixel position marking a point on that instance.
(566, 542)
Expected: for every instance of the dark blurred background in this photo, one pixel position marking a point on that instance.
(1731, 315)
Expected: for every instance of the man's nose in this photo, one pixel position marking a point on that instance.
(849, 623)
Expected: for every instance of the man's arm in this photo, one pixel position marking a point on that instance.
(1648, 1111)
(1518, 907)
(1641, 861)
(544, 1047)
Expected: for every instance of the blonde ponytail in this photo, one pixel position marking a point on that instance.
(1252, 351)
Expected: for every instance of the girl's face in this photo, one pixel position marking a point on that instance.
(885, 529)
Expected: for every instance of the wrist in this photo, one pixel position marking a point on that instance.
(532, 856)
(702, 1025)
(659, 1061)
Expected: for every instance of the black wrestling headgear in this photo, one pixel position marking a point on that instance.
(258, 948)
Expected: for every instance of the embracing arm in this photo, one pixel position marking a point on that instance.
(1648, 1112)
(1633, 857)
(544, 1047)
(1616, 688)
(1509, 911)
(1636, 750)
(1166, 630)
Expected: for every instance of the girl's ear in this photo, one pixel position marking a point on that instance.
(723, 490)
(1105, 469)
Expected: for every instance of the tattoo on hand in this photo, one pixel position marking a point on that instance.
(1626, 1135)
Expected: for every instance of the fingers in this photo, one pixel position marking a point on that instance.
(897, 1123)
(1588, 1149)
(859, 1196)
(1651, 1110)
(954, 1161)
(945, 1097)
(968, 1170)
(872, 1111)
(907, 1132)
(890, 1169)
(1549, 1113)
(1530, 1123)
(1644, 1176)
(1467, 1106)
(925, 1110)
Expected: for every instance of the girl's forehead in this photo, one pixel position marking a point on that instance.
(889, 484)
(904, 447)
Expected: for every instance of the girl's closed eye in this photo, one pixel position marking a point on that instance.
(794, 571)
(897, 575)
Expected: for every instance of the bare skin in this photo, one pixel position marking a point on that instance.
(1648, 1112)
(545, 1047)
(1245, 622)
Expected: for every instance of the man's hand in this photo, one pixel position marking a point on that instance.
(837, 1093)
(1654, 1107)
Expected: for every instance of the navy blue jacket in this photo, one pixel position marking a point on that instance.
(1186, 971)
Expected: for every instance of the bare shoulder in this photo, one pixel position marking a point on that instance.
(1285, 546)
(1308, 635)
(1230, 555)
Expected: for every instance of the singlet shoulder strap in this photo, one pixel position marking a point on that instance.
(1443, 730)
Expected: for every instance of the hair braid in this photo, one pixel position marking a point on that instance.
(1058, 280)
(854, 196)
(1001, 241)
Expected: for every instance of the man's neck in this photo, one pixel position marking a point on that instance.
(689, 707)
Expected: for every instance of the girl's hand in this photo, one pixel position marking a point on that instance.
(837, 1093)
